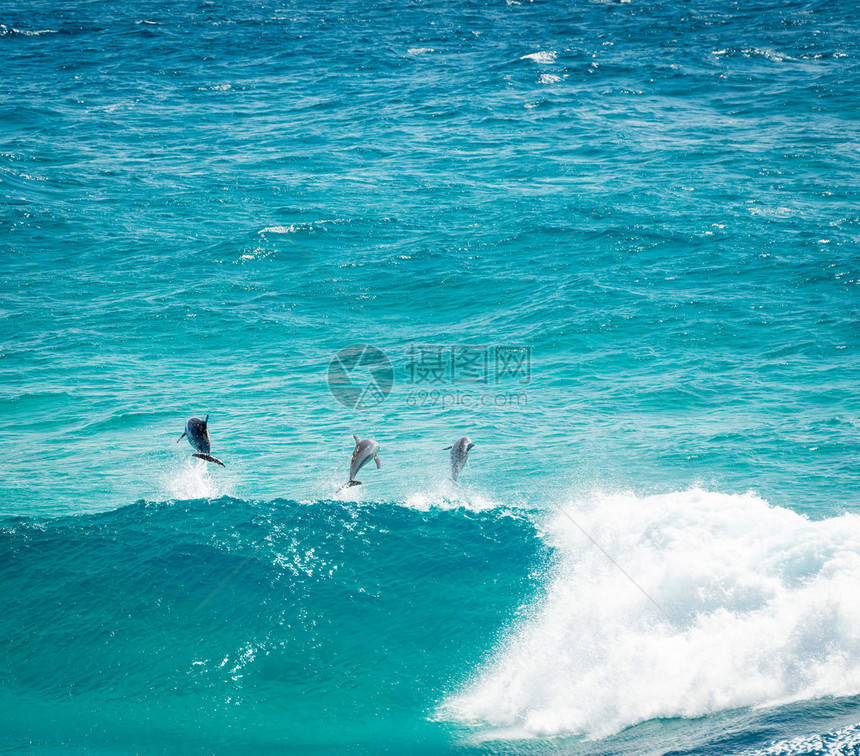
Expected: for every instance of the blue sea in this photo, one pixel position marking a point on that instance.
(613, 243)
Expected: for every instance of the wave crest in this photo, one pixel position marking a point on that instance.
(758, 609)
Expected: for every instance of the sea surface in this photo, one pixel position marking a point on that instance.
(614, 243)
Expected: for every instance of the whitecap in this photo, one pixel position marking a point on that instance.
(26, 32)
(772, 212)
(540, 57)
(695, 602)
(291, 229)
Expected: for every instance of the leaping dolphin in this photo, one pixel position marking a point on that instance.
(459, 455)
(365, 450)
(198, 437)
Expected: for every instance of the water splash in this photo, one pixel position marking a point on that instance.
(195, 479)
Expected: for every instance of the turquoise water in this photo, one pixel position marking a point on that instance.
(613, 243)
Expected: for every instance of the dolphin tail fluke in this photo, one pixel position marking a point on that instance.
(209, 458)
(181, 437)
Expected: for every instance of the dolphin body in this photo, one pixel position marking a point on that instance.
(198, 437)
(459, 455)
(365, 450)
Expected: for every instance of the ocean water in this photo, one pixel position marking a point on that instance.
(615, 243)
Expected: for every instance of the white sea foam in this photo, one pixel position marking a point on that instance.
(4, 30)
(540, 57)
(419, 50)
(772, 212)
(296, 227)
(758, 607)
(549, 78)
(752, 52)
(291, 229)
(773, 55)
(449, 495)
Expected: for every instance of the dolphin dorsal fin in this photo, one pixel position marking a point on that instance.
(357, 439)
(206, 420)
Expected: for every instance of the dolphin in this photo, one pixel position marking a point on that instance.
(198, 437)
(365, 450)
(459, 455)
